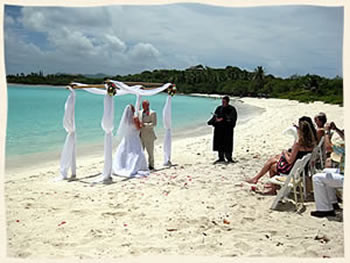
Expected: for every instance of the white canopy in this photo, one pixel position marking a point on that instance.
(68, 155)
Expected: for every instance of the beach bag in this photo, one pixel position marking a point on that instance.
(338, 157)
(283, 167)
(212, 120)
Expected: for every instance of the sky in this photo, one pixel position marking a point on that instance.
(121, 39)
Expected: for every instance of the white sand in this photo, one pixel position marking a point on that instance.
(175, 211)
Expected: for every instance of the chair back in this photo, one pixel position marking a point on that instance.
(305, 162)
(287, 185)
(320, 144)
(297, 174)
(317, 155)
(296, 166)
(321, 151)
(301, 164)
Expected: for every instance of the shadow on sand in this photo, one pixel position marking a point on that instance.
(85, 180)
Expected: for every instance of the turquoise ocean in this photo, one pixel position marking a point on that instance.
(35, 120)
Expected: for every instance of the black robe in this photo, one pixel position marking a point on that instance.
(223, 131)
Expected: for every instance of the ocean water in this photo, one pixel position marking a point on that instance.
(35, 118)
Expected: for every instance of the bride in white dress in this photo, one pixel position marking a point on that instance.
(130, 160)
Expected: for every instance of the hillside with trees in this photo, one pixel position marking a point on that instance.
(202, 79)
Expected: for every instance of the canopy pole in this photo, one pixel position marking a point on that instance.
(146, 85)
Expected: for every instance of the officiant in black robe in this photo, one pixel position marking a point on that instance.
(224, 122)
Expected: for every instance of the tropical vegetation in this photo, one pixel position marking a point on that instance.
(202, 79)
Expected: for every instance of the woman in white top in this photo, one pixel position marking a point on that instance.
(130, 160)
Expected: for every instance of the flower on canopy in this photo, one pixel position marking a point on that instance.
(172, 90)
(111, 89)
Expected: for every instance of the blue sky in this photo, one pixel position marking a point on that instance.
(121, 39)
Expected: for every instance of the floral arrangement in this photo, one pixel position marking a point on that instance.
(112, 89)
(172, 90)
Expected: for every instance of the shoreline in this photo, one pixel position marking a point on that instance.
(15, 163)
(86, 151)
(193, 208)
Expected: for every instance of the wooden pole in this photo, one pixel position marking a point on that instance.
(99, 86)
(146, 85)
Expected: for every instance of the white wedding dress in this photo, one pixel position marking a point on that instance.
(129, 160)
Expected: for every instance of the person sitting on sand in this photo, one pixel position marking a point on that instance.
(326, 182)
(283, 163)
(320, 120)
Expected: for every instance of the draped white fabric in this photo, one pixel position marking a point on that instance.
(96, 91)
(137, 105)
(125, 89)
(107, 126)
(167, 126)
(292, 131)
(92, 90)
(68, 155)
(138, 91)
(130, 160)
(102, 91)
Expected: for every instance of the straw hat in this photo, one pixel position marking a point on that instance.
(338, 150)
(336, 157)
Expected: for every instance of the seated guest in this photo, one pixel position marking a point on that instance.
(328, 136)
(320, 120)
(283, 163)
(326, 183)
(312, 126)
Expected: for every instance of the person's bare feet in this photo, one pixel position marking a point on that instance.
(251, 181)
(270, 192)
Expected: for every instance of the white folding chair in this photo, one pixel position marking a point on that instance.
(317, 157)
(292, 180)
(321, 153)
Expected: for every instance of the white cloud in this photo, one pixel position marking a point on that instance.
(34, 20)
(72, 42)
(114, 43)
(144, 51)
(21, 56)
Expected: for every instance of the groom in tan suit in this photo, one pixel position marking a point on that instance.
(148, 120)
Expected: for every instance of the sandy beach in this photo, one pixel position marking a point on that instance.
(193, 208)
